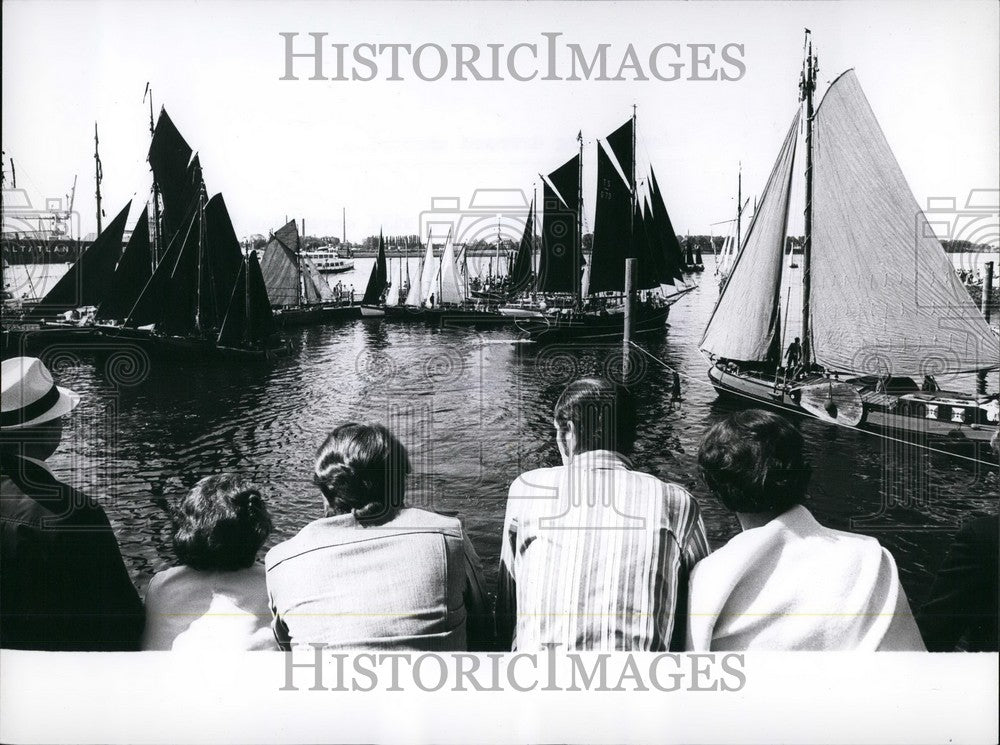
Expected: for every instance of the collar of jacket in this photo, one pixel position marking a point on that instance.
(600, 459)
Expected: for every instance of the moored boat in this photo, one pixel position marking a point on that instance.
(570, 298)
(881, 306)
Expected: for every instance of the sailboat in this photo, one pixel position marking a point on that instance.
(298, 291)
(442, 296)
(733, 240)
(373, 302)
(881, 306)
(69, 307)
(571, 299)
(189, 295)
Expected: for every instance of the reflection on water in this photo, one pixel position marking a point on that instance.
(474, 412)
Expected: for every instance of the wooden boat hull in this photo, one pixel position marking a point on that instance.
(879, 410)
(371, 311)
(165, 346)
(447, 316)
(592, 326)
(315, 314)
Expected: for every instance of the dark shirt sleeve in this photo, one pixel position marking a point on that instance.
(963, 599)
(125, 614)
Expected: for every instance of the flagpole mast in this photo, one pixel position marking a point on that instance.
(739, 204)
(157, 235)
(807, 84)
(97, 178)
(578, 285)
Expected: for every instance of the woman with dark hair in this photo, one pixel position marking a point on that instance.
(374, 573)
(216, 598)
(786, 582)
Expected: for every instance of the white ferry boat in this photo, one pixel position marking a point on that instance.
(327, 260)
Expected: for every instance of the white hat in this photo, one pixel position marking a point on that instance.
(29, 396)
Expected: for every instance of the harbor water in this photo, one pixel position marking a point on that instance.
(474, 410)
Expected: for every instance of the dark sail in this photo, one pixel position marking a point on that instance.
(221, 262)
(180, 304)
(234, 325)
(378, 277)
(88, 280)
(133, 272)
(280, 266)
(164, 298)
(249, 321)
(671, 247)
(260, 318)
(612, 228)
(697, 256)
(521, 272)
(559, 267)
(688, 252)
(566, 180)
(169, 157)
(658, 256)
(621, 145)
(645, 266)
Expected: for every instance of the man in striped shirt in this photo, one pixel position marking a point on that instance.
(595, 555)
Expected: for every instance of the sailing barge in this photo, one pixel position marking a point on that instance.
(881, 305)
(296, 287)
(567, 299)
(182, 286)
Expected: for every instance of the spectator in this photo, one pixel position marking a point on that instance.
(374, 573)
(63, 586)
(216, 598)
(595, 554)
(786, 582)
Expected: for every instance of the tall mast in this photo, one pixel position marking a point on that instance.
(498, 246)
(97, 178)
(577, 286)
(635, 195)
(632, 182)
(156, 189)
(807, 84)
(343, 237)
(739, 204)
(298, 262)
(201, 254)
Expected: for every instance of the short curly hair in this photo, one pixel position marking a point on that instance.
(754, 461)
(221, 524)
(362, 469)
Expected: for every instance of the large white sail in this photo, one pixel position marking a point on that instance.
(427, 274)
(885, 298)
(451, 289)
(745, 322)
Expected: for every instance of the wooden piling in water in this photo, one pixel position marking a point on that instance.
(629, 303)
(984, 306)
(984, 303)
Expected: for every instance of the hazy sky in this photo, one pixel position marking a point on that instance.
(383, 149)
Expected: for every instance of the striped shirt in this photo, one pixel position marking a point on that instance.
(596, 557)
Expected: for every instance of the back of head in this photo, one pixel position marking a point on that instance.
(221, 524)
(602, 414)
(753, 461)
(362, 469)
